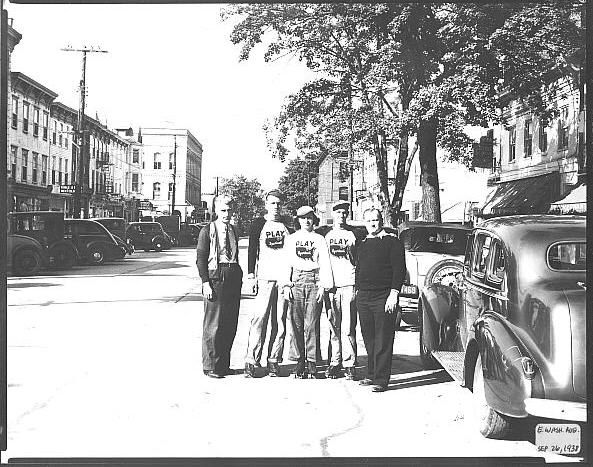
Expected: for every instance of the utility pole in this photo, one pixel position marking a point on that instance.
(174, 174)
(79, 196)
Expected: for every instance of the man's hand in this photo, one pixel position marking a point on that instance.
(207, 290)
(392, 301)
(320, 293)
(252, 281)
(287, 292)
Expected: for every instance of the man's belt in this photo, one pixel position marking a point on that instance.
(226, 265)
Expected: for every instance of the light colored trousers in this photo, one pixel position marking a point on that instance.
(340, 307)
(269, 303)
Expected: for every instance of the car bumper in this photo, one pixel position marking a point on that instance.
(556, 409)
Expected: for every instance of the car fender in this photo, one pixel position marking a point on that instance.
(33, 246)
(439, 311)
(68, 244)
(507, 383)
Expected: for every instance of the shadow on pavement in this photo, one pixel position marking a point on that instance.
(23, 285)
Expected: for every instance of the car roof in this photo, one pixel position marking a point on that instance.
(519, 232)
(419, 224)
(144, 223)
(107, 219)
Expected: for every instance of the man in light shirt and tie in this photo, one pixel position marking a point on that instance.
(218, 266)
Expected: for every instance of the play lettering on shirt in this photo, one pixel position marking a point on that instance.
(275, 239)
(338, 247)
(305, 249)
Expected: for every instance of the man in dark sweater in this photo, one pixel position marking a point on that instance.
(380, 273)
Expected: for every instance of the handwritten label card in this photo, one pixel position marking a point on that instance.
(558, 438)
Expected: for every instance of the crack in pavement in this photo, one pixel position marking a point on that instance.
(325, 440)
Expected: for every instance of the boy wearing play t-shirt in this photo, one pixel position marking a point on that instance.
(265, 265)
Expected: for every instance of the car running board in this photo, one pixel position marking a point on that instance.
(452, 362)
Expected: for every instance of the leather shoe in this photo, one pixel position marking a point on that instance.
(350, 373)
(273, 369)
(332, 372)
(365, 382)
(379, 388)
(213, 374)
(249, 370)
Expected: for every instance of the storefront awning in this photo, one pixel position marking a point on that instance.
(573, 203)
(531, 195)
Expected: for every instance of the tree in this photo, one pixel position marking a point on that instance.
(298, 185)
(247, 200)
(390, 71)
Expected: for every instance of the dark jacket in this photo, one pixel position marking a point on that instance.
(253, 249)
(381, 263)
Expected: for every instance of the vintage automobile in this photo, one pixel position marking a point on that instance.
(148, 236)
(117, 227)
(188, 234)
(94, 242)
(512, 329)
(433, 254)
(47, 227)
(25, 255)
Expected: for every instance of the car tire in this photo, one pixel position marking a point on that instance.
(428, 361)
(96, 255)
(450, 268)
(490, 423)
(64, 257)
(158, 244)
(26, 263)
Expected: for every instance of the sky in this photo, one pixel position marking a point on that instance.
(166, 66)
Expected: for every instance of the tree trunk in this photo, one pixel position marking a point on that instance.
(429, 176)
(404, 161)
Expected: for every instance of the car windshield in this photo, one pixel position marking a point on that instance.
(568, 256)
(435, 240)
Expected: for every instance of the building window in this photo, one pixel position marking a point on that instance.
(563, 129)
(53, 170)
(66, 137)
(15, 112)
(25, 117)
(54, 134)
(45, 125)
(512, 141)
(171, 160)
(61, 137)
(135, 156)
(543, 136)
(25, 154)
(135, 183)
(156, 190)
(13, 157)
(528, 138)
(36, 122)
(44, 170)
(60, 171)
(35, 167)
(170, 194)
(157, 160)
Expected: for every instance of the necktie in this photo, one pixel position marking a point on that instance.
(227, 243)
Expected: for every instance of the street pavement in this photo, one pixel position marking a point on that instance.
(106, 362)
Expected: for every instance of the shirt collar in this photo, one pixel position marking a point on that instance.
(381, 234)
(221, 225)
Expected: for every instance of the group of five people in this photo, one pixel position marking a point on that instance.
(295, 276)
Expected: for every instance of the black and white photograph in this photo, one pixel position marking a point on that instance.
(294, 232)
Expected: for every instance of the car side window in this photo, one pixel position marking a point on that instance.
(496, 272)
(483, 242)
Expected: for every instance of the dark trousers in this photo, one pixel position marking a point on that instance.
(221, 314)
(378, 332)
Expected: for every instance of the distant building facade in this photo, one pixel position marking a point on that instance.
(172, 169)
(537, 162)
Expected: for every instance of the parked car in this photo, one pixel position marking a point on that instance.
(188, 234)
(433, 254)
(117, 227)
(148, 236)
(47, 227)
(94, 242)
(512, 328)
(25, 255)
(171, 226)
